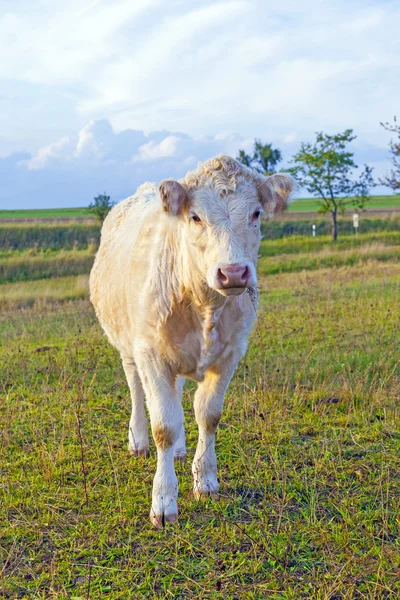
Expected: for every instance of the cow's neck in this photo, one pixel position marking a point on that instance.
(206, 303)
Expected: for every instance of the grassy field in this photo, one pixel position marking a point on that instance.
(308, 446)
(73, 235)
(375, 202)
(302, 204)
(33, 264)
(33, 236)
(46, 213)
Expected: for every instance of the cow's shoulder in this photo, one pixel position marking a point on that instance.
(130, 209)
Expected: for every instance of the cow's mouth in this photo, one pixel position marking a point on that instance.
(232, 291)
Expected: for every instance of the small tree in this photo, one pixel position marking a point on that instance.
(325, 168)
(265, 158)
(392, 180)
(101, 206)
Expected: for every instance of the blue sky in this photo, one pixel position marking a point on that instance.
(100, 96)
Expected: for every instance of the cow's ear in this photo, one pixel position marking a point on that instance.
(275, 192)
(173, 196)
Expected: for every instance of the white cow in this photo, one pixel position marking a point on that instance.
(168, 285)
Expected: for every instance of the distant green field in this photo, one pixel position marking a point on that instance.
(306, 204)
(45, 213)
(311, 204)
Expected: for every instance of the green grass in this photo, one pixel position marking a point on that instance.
(288, 226)
(75, 235)
(277, 256)
(297, 244)
(22, 236)
(308, 447)
(33, 264)
(305, 262)
(302, 204)
(45, 213)
(377, 202)
(43, 292)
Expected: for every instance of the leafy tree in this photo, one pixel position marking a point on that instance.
(101, 206)
(265, 158)
(325, 168)
(392, 180)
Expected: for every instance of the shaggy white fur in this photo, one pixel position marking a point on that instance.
(156, 287)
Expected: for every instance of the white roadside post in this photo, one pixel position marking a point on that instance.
(355, 223)
(314, 233)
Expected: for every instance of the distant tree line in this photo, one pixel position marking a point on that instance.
(326, 168)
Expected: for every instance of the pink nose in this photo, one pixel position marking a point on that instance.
(233, 276)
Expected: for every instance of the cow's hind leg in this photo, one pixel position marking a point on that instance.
(138, 435)
(166, 416)
(208, 403)
(180, 444)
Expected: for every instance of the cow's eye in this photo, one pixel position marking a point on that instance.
(196, 219)
(256, 214)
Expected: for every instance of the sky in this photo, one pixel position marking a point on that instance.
(99, 96)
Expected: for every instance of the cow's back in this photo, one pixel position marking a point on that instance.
(129, 210)
(122, 258)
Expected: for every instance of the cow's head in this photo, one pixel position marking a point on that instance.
(220, 206)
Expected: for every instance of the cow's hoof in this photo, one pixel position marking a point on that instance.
(164, 503)
(203, 495)
(145, 452)
(180, 456)
(160, 521)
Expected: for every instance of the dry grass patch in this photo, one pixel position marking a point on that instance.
(43, 292)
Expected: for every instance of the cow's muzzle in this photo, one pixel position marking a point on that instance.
(233, 279)
(233, 276)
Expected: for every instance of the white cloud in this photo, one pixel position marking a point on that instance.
(49, 153)
(98, 143)
(254, 66)
(181, 146)
(94, 139)
(51, 43)
(262, 65)
(168, 147)
(70, 171)
(290, 138)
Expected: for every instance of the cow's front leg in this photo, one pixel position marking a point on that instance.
(208, 403)
(166, 417)
(138, 436)
(180, 444)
